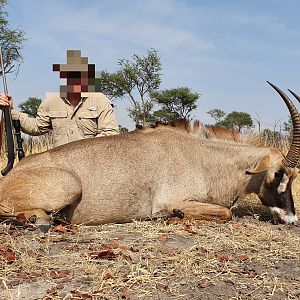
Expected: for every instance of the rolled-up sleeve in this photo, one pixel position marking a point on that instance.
(107, 122)
(34, 126)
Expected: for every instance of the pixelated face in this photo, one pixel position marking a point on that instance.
(79, 75)
(77, 82)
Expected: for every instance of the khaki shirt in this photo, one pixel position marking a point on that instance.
(93, 117)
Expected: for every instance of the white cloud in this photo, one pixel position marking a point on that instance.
(91, 27)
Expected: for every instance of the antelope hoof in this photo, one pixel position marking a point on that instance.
(178, 213)
(42, 225)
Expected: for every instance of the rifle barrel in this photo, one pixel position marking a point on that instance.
(8, 125)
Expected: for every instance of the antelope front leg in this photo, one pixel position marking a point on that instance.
(39, 191)
(193, 209)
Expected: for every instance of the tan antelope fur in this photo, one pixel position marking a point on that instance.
(166, 171)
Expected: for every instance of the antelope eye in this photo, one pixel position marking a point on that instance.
(278, 175)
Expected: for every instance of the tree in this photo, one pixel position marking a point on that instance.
(177, 103)
(258, 121)
(30, 106)
(237, 119)
(164, 115)
(108, 84)
(217, 114)
(123, 129)
(288, 127)
(11, 42)
(137, 78)
(271, 138)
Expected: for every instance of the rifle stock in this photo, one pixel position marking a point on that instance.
(19, 140)
(9, 140)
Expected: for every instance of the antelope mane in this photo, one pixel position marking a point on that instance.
(209, 132)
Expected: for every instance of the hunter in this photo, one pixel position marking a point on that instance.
(77, 112)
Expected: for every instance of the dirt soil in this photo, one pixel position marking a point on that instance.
(246, 258)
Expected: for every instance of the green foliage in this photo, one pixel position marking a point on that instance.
(109, 84)
(123, 129)
(274, 138)
(30, 106)
(164, 115)
(217, 114)
(236, 119)
(288, 126)
(177, 103)
(140, 76)
(137, 78)
(11, 41)
(141, 114)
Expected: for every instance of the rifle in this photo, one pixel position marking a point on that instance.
(8, 124)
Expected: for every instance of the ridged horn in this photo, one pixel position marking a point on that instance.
(298, 98)
(293, 155)
(295, 95)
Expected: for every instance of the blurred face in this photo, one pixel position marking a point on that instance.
(77, 74)
(77, 82)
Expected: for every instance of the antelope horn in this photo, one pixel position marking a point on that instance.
(298, 98)
(295, 95)
(293, 155)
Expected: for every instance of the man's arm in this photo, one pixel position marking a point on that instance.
(34, 126)
(107, 122)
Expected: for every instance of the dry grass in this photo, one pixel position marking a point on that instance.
(31, 145)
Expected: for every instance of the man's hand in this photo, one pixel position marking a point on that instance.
(6, 100)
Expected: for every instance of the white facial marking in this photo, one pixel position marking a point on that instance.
(283, 216)
(283, 183)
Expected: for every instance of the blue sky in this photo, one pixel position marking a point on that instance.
(225, 49)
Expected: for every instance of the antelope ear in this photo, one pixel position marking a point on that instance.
(263, 164)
